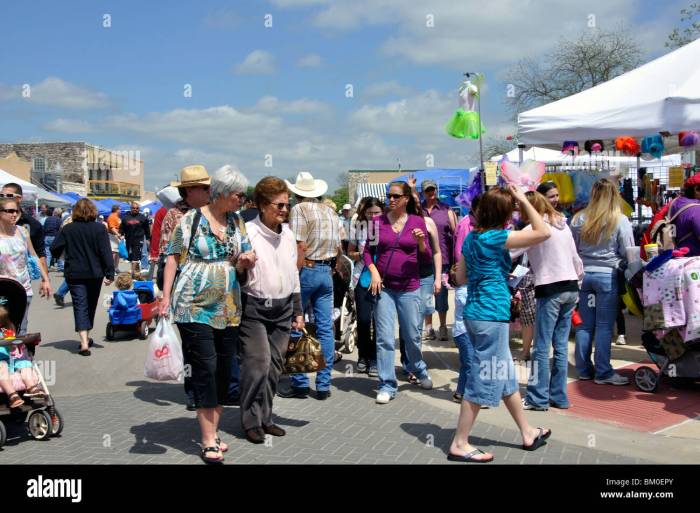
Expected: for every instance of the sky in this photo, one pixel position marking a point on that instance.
(281, 86)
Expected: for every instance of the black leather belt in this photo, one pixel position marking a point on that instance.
(312, 263)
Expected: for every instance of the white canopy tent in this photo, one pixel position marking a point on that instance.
(662, 95)
(32, 193)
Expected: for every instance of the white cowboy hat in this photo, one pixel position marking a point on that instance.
(168, 196)
(191, 176)
(307, 187)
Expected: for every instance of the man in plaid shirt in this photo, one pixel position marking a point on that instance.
(317, 233)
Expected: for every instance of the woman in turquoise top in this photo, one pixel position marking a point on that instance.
(211, 248)
(485, 265)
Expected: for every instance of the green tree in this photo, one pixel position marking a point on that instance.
(690, 32)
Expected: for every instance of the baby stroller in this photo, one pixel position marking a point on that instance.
(679, 362)
(347, 327)
(38, 412)
(132, 310)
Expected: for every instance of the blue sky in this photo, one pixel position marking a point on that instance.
(280, 91)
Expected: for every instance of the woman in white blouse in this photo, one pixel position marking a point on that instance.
(271, 307)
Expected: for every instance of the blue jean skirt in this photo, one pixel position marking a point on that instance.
(492, 375)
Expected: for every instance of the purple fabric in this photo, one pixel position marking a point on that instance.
(440, 214)
(403, 272)
(688, 223)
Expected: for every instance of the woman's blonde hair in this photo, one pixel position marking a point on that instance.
(543, 207)
(602, 213)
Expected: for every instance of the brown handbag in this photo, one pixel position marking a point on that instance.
(304, 354)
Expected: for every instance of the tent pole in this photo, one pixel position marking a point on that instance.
(639, 186)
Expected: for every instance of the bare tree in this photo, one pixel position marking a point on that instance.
(690, 33)
(573, 66)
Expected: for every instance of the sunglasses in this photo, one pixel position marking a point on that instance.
(10, 210)
(281, 206)
(10, 195)
(395, 196)
(430, 189)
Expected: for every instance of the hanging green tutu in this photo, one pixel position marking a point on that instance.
(465, 123)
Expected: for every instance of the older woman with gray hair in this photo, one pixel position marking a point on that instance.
(211, 249)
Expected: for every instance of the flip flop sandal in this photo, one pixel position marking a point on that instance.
(211, 461)
(218, 443)
(539, 440)
(469, 457)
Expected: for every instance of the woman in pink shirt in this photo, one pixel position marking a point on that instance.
(557, 270)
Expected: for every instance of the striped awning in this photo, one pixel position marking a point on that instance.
(376, 190)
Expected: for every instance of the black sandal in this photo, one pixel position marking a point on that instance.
(539, 440)
(211, 461)
(218, 443)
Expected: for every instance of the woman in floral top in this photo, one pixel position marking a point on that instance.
(212, 256)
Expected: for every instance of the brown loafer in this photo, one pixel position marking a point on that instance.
(274, 430)
(255, 436)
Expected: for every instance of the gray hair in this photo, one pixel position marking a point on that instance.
(57, 212)
(226, 180)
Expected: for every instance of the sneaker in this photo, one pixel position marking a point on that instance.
(443, 333)
(528, 406)
(383, 397)
(59, 300)
(361, 366)
(426, 383)
(429, 334)
(585, 378)
(621, 341)
(373, 371)
(615, 379)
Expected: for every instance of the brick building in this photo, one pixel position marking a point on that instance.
(77, 167)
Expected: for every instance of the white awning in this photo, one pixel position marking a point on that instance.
(375, 190)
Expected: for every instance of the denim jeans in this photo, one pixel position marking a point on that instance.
(48, 240)
(466, 350)
(366, 338)
(233, 387)
(426, 291)
(408, 307)
(144, 255)
(598, 310)
(552, 327)
(317, 289)
(63, 289)
(441, 303)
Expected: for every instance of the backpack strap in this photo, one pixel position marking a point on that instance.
(680, 211)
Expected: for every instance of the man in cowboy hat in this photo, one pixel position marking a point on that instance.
(317, 232)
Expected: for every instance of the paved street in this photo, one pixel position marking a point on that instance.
(115, 415)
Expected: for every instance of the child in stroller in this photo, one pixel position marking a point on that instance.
(25, 395)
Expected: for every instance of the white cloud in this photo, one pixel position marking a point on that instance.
(55, 92)
(309, 61)
(465, 34)
(271, 104)
(390, 87)
(69, 126)
(257, 62)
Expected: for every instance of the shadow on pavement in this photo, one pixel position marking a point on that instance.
(160, 394)
(442, 438)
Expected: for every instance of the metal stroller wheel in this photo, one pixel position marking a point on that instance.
(3, 434)
(109, 331)
(39, 425)
(144, 329)
(349, 339)
(646, 379)
(56, 423)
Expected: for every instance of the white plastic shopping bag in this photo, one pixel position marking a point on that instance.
(164, 361)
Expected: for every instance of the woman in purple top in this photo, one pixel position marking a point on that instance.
(399, 246)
